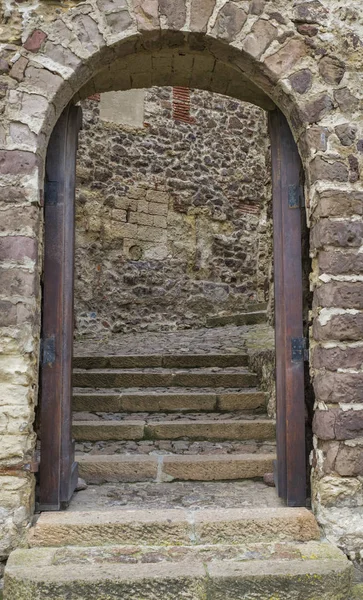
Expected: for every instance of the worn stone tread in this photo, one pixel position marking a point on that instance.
(174, 527)
(228, 377)
(168, 399)
(115, 468)
(201, 429)
(32, 574)
(127, 361)
(248, 318)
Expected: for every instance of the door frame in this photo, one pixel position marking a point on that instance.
(58, 470)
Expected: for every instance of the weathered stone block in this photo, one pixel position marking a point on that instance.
(339, 387)
(323, 169)
(345, 326)
(200, 13)
(281, 63)
(13, 162)
(337, 233)
(331, 69)
(335, 262)
(339, 294)
(262, 34)
(349, 461)
(301, 81)
(310, 12)
(15, 282)
(174, 12)
(230, 21)
(337, 358)
(339, 203)
(18, 248)
(35, 40)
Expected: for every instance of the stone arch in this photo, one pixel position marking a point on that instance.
(264, 53)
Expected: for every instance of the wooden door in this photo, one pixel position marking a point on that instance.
(58, 471)
(287, 200)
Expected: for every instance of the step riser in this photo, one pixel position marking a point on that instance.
(167, 362)
(253, 402)
(192, 581)
(242, 319)
(175, 527)
(115, 380)
(92, 431)
(167, 468)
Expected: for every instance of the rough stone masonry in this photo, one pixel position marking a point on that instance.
(305, 56)
(173, 216)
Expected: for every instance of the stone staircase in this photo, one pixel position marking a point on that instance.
(176, 417)
(173, 447)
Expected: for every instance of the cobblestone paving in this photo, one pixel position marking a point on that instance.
(226, 340)
(186, 494)
(166, 447)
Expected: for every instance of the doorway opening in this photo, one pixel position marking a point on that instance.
(174, 252)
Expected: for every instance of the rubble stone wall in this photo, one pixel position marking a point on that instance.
(303, 56)
(171, 215)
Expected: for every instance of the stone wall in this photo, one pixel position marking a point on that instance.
(170, 214)
(304, 57)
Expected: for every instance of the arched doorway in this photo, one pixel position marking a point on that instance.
(58, 471)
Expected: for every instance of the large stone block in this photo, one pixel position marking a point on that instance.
(340, 263)
(346, 234)
(332, 359)
(341, 326)
(333, 388)
(339, 294)
(339, 203)
(230, 21)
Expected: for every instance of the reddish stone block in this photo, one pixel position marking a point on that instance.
(35, 40)
(346, 234)
(320, 168)
(16, 219)
(17, 162)
(18, 248)
(334, 388)
(301, 81)
(341, 327)
(337, 358)
(17, 71)
(324, 424)
(8, 314)
(339, 294)
(310, 12)
(340, 263)
(331, 69)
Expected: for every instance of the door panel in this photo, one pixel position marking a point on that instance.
(58, 471)
(287, 195)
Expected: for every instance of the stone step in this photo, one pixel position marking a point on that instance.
(248, 318)
(201, 429)
(174, 527)
(169, 400)
(168, 361)
(97, 469)
(257, 306)
(287, 571)
(103, 378)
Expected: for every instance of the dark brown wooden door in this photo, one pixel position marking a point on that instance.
(287, 200)
(58, 471)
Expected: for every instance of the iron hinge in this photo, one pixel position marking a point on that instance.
(51, 193)
(48, 351)
(299, 350)
(296, 197)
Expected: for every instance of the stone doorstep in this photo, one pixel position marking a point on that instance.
(295, 571)
(251, 318)
(169, 402)
(174, 527)
(160, 378)
(169, 361)
(166, 468)
(231, 429)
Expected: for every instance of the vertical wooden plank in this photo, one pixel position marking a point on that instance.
(286, 183)
(58, 472)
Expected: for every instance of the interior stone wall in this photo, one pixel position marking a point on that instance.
(170, 213)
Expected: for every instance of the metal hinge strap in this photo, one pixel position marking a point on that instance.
(299, 350)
